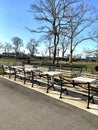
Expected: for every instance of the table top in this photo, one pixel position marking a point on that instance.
(17, 67)
(84, 79)
(31, 69)
(27, 68)
(53, 73)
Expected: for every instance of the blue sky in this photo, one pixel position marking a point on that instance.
(15, 16)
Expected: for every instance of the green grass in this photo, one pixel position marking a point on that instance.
(90, 65)
(8, 60)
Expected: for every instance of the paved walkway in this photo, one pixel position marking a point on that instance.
(22, 108)
(76, 101)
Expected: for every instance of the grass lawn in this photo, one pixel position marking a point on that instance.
(90, 65)
(8, 59)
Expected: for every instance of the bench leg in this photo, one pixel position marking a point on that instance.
(62, 89)
(89, 96)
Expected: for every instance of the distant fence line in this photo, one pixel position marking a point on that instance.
(10, 63)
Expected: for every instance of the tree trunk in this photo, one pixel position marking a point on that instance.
(54, 52)
(63, 54)
(70, 57)
(71, 51)
(54, 55)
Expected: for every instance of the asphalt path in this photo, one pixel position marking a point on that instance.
(25, 109)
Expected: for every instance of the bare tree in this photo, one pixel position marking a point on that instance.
(17, 43)
(1, 46)
(92, 52)
(49, 48)
(80, 19)
(7, 47)
(88, 52)
(64, 46)
(32, 46)
(51, 14)
(69, 18)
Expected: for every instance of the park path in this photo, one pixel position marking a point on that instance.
(23, 108)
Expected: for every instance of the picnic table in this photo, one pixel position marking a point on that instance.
(88, 81)
(50, 77)
(25, 72)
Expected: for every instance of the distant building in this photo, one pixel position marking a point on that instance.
(89, 58)
(8, 55)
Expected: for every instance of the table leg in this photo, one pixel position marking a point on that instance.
(73, 82)
(88, 95)
(62, 89)
(32, 78)
(50, 83)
